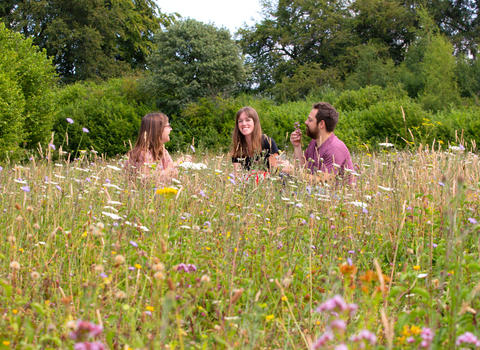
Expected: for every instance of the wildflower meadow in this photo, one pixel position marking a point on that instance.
(95, 258)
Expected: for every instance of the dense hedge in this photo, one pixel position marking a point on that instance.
(111, 112)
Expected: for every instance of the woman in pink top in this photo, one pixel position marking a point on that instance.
(149, 155)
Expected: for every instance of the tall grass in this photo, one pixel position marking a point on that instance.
(259, 258)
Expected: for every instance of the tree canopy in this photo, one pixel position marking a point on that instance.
(88, 39)
(193, 60)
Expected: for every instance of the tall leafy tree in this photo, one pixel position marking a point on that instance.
(193, 60)
(88, 39)
(295, 32)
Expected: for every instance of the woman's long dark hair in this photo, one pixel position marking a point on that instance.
(239, 143)
(150, 137)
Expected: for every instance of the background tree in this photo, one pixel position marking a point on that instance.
(88, 39)
(27, 80)
(193, 60)
(295, 33)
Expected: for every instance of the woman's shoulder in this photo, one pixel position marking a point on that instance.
(268, 142)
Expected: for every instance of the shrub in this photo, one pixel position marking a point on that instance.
(110, 111)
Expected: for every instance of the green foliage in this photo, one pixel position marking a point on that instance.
(305, 79)
(12, 105)
(294, 34)
(88, 39)
(109, 111)
(192, 60)
(350, 100)
(440, 90)
(468, 77)
(27, 80)
(372, 67)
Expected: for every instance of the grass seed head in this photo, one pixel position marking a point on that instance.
(30, 208)
(119, 260)
(18, 206)
(35, 275)
(36, 226)
(163, 245)
(120, 295)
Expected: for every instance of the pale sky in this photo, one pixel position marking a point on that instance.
(230, 14)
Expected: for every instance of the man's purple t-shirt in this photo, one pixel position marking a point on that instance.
(332, 151)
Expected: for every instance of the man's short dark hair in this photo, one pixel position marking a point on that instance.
(326, 112)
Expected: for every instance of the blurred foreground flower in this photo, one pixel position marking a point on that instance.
(70, 120)
(166, 191)
(85, 130)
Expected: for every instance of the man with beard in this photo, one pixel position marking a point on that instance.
(325, 152)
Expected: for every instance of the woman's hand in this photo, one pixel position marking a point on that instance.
(182, 159)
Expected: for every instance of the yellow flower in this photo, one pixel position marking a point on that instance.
(6, 343)
(150, 308)
(416, 267)
(406, 331)
(269, 318)
(415, 330)
(138, 266)
(284, 298)
(15, 311)
(166, 191)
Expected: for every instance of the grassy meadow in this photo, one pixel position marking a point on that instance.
(210, 261)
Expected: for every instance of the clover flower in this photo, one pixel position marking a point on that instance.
(85, 330)
(186, 268)
(467, 338)
(322, 340)
(337, 304)
(364, 335)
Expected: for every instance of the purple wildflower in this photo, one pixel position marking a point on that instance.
(52, 146)
(1, 169)
(25, 188)
(322, 340)
(207, 223)
(149, 313)
(349, 261)
(192, 148)
(134, 244)
(103, 275)
(365, 211)
(338, 324)
(70, 120)
(461, 147)
(364, 335)
(232, 181)
(115, 224)
(441, 183)
(472, 220)
(46, 178)
(86, 330)
(186, 268)
(58, 187)
(88, 180)
(201, 193)
(96, 345)
(351, 252)
(467, 338)
(427, 338)
(341, 347)
(131, 268)
(85, 130)
(279, 245)
(108, 181)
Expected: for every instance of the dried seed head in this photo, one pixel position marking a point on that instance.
(18, 206)
(120, 295)
(119, 260)
(156, 260)
(11, 239)
(30, 208)
(410, 251)
(15, 265)
(170, 283)
(19, 218)
(205, 279)
(100, 225)
(71, 325)
(99, 268)
(36, 226)
(159, 267)
(163, 245)
(35, 275)
(159, 275)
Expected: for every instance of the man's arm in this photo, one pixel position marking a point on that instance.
(296, 140)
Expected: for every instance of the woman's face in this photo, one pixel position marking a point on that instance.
(166, 133)
(245, 124)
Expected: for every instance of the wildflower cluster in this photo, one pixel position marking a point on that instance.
(186, 268)
(82, 332)
(166, 191)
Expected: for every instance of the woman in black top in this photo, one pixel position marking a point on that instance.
(250, 147)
